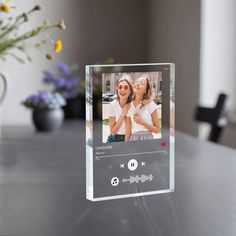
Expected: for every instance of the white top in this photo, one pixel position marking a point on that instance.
(145, 113)
(115, 110)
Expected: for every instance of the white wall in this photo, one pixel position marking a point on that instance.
(95, 30)
(218, 53)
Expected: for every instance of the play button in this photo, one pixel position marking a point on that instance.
(132, 164)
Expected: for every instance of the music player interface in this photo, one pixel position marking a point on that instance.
(129, 130)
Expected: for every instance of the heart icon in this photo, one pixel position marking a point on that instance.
(163, 144)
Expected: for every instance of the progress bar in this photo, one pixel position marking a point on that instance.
(130, 154)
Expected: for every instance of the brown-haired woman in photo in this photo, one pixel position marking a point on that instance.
(144, 120)
(119, 129)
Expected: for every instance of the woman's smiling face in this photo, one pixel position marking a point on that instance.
(123, 90)
(140, 86)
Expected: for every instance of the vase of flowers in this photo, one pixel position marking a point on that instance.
(15, 42)
(47, 114)
(67, 82)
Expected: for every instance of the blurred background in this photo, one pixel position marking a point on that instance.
(198, 36)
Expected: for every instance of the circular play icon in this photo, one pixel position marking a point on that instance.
(132, 164)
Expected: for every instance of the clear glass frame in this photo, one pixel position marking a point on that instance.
(119, 165)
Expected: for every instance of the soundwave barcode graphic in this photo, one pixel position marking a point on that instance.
(137, 179)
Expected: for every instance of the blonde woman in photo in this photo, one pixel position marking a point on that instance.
(144, 117)
(118, 109)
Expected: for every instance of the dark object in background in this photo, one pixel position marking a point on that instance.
(48, 120)
(97, 107)
(75, 107)
(214, 116)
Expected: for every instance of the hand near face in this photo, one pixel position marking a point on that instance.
(125, 109)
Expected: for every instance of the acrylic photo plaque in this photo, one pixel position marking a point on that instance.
(129, 130)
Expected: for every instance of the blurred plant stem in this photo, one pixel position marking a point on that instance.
(10, 39)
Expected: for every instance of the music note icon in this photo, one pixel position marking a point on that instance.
(114, 181)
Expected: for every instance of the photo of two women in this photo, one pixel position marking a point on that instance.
(131, 104)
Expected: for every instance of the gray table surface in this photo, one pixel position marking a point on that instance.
(42, 190)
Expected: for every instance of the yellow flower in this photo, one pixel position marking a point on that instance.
(9, 1)
(58, 46)
(4, 8)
